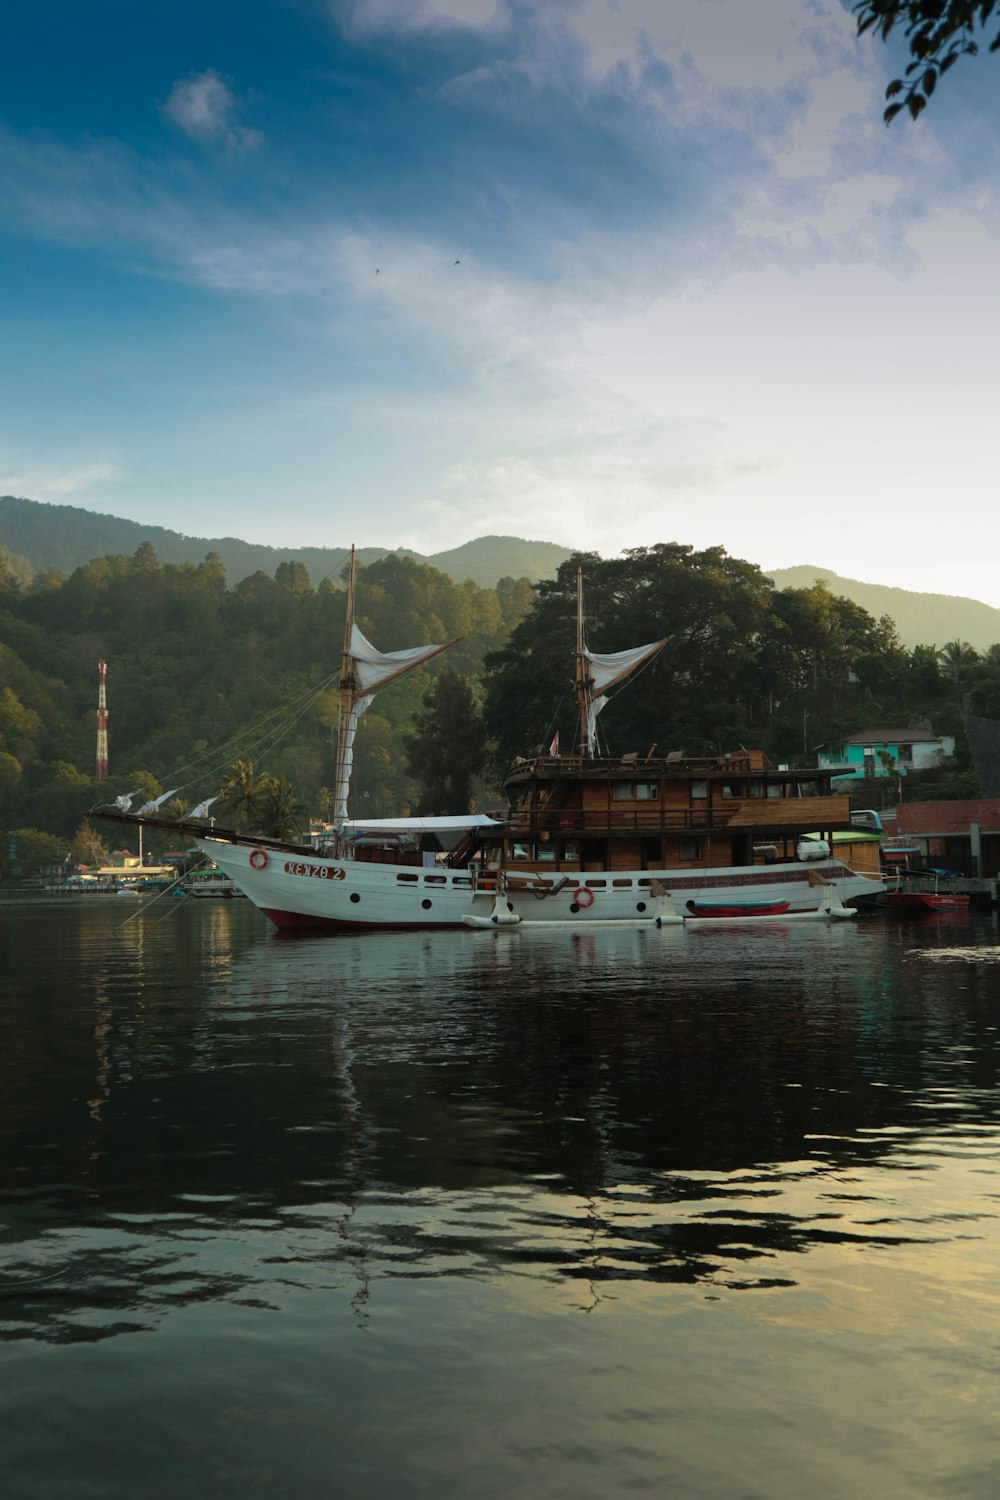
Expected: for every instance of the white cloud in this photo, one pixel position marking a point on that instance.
(402, 16)
(735, 45)
(53, 482)
(206, 107)
(815, 367)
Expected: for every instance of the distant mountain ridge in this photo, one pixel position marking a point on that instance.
(921, 619)
(66, 537)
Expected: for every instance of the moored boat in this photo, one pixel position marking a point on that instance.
(923, 901)
(737, 908)
(586, 839)
(212, 884)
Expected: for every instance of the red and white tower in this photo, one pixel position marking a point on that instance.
(102, 721)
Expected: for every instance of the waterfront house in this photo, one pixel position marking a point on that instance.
(962, 835)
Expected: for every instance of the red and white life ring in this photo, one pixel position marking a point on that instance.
(583, 896)
(258, 859)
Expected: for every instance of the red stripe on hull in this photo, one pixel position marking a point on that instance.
(292, 921)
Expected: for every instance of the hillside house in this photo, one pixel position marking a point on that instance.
(911, 749)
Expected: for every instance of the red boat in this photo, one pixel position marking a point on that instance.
(737, 909)
(928, 901)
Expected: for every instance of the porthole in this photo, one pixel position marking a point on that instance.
(425, 904)
(573, 906)
(640, 906)
(354, 896)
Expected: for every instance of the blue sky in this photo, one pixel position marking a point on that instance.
(406, 272)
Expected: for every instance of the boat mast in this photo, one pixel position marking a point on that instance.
(348, 686)
(364, 671)
(584, 682)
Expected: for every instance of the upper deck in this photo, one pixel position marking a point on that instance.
(739, 792)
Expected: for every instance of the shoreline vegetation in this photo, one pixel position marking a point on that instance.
(203, 675)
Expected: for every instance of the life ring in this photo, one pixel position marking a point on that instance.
(583, 896)
(258, 859)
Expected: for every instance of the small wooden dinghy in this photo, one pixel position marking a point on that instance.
(730, 909)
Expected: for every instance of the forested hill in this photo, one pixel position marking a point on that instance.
(200, 675)
(919, 618)
(65, 537)
(38, 536)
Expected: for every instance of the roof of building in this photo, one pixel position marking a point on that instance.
(890, 737)
(939, 819)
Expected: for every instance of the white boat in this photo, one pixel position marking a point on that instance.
(210, 885)
(586, 840)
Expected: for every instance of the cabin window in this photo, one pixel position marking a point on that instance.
(634, 791)
(571, 850)
(461, 880)
(758, 787)
(621, 882)
(521, 851)
(597, 885)
(435, 880)
(774, 789)
(690, 849)
(731, 789)
(699, 790)
(411, 878)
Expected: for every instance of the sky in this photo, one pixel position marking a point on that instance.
(407, 272)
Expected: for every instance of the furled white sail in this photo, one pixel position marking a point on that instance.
(607, 671)
(149, 808)
(201, 811)
(363, 671)
(600, 672)
(374, 669)
(346, 756)
(597, 673)
(594, 706)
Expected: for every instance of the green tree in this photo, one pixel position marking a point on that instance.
(938, 33)
(889, 777)
(243, 795)
(282, 812)
(958, 657)
(88, 848)
(447, 749)
(33, 849)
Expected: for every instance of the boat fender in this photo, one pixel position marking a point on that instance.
(583, 896)
(258, 859)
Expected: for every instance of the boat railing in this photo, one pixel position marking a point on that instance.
(576, 765)
(652, 820)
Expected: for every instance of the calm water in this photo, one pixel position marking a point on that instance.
(471, 1214)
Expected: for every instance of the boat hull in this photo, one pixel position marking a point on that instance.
(927, 901)
(316, 891)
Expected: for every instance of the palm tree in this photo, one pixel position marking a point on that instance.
(282, 811)
(243, 794)
(957, 655)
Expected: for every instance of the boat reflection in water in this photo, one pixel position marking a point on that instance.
(566, 1205)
